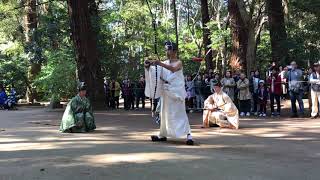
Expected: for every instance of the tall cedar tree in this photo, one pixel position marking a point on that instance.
(85, 43)
(278, 33)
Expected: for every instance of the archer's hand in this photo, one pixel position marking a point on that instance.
(156, 62)
(147, 63)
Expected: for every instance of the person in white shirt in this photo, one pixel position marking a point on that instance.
(315, 90)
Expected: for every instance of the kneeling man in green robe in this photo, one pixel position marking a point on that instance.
(78, 116)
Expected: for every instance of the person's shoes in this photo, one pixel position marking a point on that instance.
(264, 115)
(190, 142)
(260, 115)
(242, 114)
(248, 114)
(157, 138)
(313, 117)
(294, 116)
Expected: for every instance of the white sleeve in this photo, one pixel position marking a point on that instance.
(153, 82)
(313, 81)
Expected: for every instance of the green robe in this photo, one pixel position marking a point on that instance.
(78, 116)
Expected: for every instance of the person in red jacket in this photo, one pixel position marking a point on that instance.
(275, 90)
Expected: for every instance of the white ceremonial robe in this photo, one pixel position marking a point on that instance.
(226, 112)
(174, 119)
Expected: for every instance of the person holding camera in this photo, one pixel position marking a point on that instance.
(295, 80)
(315, 91)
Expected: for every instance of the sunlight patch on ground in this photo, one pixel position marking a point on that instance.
(273, 135)
(140, 115)
(220, 146)
(134, 158)
(23, 146)
(299, 138)
(9, 139)
(27, 146)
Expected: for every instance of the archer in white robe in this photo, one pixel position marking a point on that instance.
(171, 90)
(225, 114)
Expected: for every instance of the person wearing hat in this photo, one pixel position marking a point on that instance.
(315, 90)
(168, 80)
(220, 109)
(78, 116)
(263, 95)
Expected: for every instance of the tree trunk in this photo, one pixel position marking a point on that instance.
(33, 70)
(31, 23)
(206, 34)
(85, 42)
(278, 33)
(251, 51)
(239, 38)
(176, 24)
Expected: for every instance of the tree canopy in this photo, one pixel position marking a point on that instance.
(242, 34)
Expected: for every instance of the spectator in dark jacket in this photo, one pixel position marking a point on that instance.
(207, 90)
(3, 96)
(140, 93)
(128, 94)
(106, 85)
(263, 95)
(199, 90)
(190, 92)
(254, 81)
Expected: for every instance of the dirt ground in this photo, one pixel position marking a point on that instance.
(32, 148)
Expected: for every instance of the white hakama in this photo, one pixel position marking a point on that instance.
(226, 113)
(171, 90)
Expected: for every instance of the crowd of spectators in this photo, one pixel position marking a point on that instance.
(252, 94)
(131, 92)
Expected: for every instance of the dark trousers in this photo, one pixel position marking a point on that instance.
(189, 102)
(245, 105)
(263, 107)
(236, 101)
(296, 96)
(277, 98)
(255, 102)
(114, 102)
(107, 101)
(128, 102)
(142, 98)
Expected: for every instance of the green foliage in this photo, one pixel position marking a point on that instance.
(303, 31)
(60, 80)
(264, 52)
(126, 38)
(13, 68)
